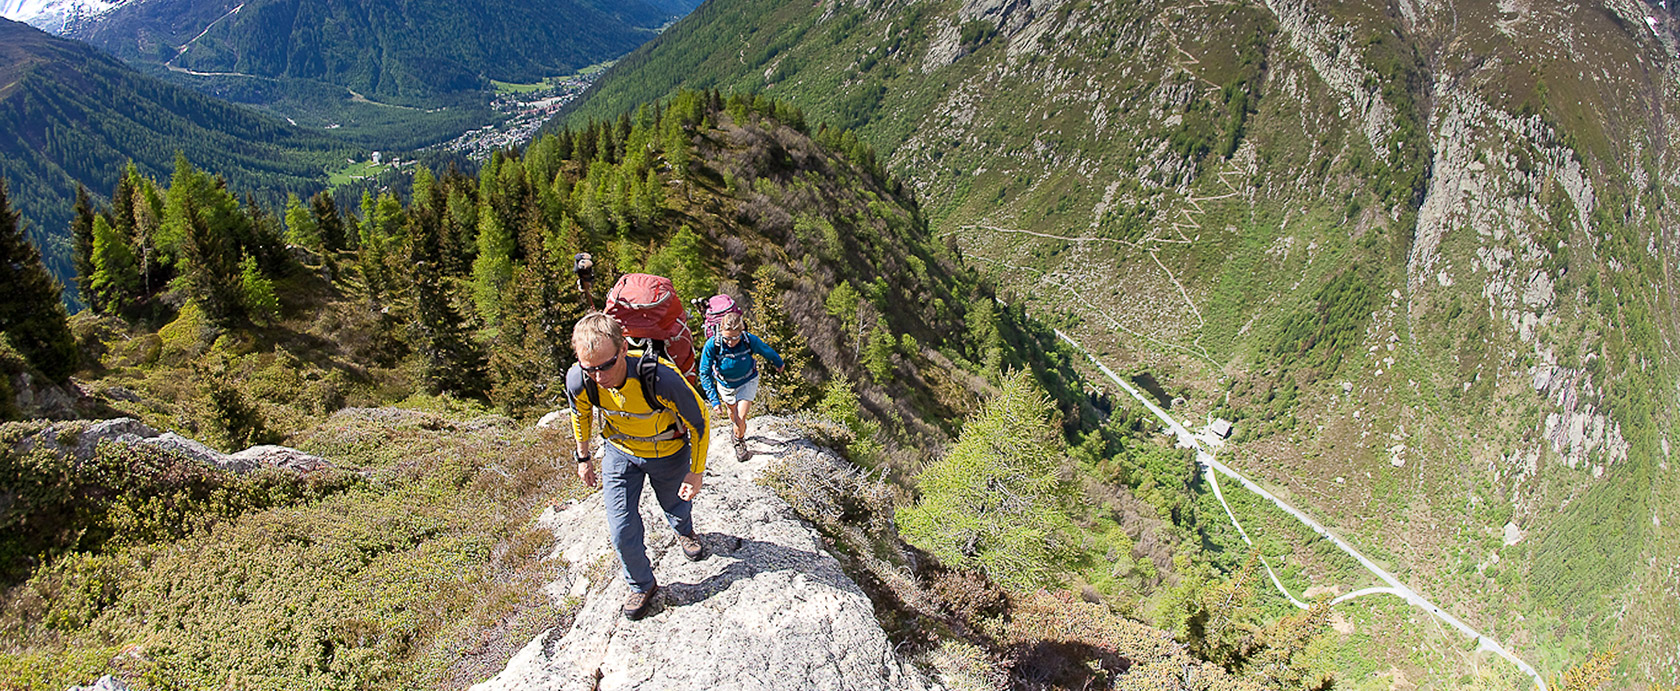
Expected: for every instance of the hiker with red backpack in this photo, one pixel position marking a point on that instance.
(653, 421)
(728, 370)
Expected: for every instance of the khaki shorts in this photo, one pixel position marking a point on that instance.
(744, 392)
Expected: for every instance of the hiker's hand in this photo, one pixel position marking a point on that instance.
(717, 410)
(691, 486)
(586, 472)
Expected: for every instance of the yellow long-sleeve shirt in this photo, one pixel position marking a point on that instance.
(631, 425)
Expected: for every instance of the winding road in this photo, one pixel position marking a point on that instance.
(1202, 443)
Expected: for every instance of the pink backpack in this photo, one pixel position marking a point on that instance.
(716, 308)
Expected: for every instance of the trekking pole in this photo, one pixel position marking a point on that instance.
(583, 266)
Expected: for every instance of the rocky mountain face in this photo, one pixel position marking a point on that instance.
(57, 16)
(1421, 253)
(769, 607)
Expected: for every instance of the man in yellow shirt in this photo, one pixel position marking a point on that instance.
(655, 425)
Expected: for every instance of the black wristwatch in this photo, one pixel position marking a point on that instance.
(581, 458)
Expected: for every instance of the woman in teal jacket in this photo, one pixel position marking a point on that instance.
(729, 374)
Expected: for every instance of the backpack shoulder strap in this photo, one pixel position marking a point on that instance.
(647, 372)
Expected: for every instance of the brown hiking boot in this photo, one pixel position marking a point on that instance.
(740, 449)
(637, 605)
(692, 547)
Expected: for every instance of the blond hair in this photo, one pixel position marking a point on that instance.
(594, 330)
(733, 322)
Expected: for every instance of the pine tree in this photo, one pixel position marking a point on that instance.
(115, 282)
(462, 227)
(450, 360)
(493, 268)
(257, 292)
(81, 246)
(31, 316)
(791, 389)
(995, 501)
(1284, 657)
(1217, 629)
(329, 222)
(301, 228)
(526, 360)
(212, 271)
(681, 261)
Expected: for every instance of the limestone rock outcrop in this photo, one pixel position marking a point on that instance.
(81, 440)
(769, 608)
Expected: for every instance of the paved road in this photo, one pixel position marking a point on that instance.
(1201, 444)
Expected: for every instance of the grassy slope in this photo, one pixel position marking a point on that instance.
(1074, 123)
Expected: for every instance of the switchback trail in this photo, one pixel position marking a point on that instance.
(1201, 443)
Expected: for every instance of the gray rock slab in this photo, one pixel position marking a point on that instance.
(768, 609)
(123, 429)
(191, 448)
(283, 457)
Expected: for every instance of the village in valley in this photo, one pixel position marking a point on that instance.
(526, 107)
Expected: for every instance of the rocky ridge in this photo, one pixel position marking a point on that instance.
(769, 608)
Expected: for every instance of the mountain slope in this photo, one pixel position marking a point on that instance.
(1421, 254)
(404, 50)
(70, 114)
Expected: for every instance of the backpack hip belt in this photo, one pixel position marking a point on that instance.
(670, 433)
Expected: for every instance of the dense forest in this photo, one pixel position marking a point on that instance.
(237, 325)
(393, 50)
(71, 115)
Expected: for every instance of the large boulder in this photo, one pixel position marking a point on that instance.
(768, 609)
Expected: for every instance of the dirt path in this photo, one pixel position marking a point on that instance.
(1202, 443)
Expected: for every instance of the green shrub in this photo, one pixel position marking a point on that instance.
(129, 494)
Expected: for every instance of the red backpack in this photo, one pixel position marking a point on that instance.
(716, 308)
(654, 320)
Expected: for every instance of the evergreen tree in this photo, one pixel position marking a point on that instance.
(679, 153)
(234, 422)
(650, 201)
(301, 228)
(212, 270)
(681, 261)
(1218, 628)
(527, 360)
(115, 282)
(81, 246)
(257, 292)
(450, 361)
(995, 501)
(493, 268)
(31, 316)
(425, 221)
(1285, 658)
(790, 390)
(137, 210)
(461, 231)
(877, 356)
(329, 222)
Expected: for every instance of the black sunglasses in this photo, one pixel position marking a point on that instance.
(609, 363)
